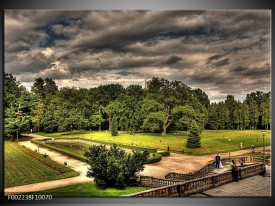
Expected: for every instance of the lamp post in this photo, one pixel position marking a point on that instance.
(229, 146)
(263, 133)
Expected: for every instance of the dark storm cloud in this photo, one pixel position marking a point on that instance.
(172, 60)
(221, 63)
(223, 52)
(251, 72)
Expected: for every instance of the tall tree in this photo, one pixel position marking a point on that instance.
(265, 113)
(193, 140)
(114, 130)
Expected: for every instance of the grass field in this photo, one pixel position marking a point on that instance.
(74, 148)
(21, 169)
(212, 141)
(88, 190)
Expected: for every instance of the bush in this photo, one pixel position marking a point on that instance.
(114, 130)
(164, 153)
(113, 167)
(156, 157)
(193, 141)
(151, 150)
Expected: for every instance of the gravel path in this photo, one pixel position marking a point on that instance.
(179, 163)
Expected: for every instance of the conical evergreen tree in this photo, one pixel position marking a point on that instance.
(114, 131)
(193, 141)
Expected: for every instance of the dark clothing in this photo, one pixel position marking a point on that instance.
(218, 159)
(235, 173)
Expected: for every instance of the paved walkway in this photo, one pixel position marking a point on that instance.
(179, 163)
(256, 186)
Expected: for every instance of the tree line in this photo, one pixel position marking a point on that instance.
(161, 106)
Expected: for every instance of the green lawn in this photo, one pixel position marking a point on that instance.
(74, 148)
(88, 190)
(21, 169)
(212, 141)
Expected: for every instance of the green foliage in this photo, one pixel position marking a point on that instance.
(114, 130)
(193, 140)
(113, 168)
(156, 157)
(162, 106)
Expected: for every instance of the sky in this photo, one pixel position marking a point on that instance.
(221, 52)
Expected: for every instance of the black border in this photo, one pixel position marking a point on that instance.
(131, 5)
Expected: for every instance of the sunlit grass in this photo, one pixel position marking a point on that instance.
(212, 141)
(88, 190)
(21, 169)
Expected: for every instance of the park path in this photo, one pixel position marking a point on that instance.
(179, 163)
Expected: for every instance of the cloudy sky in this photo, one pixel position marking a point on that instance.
(221, 52)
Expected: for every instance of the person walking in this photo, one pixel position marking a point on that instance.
(217, 160)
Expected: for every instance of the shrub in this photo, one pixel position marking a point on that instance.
(193, 141)
(113, 167)
(164, 153)
(156, 157)
(114, 130)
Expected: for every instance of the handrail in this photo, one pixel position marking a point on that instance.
(200, 184)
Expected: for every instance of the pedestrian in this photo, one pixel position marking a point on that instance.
(217, 161)
(235, 172)
(231, 166)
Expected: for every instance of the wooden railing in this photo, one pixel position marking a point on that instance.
(203, 171)
(200, 184)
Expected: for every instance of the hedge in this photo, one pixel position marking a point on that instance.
(164, 153)
(69, 154)
(154, 159)
(150, 150)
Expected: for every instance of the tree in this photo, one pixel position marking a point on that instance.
(114, 130)
(18, 104)
(111, 109)
(265, 113)
(113, 167)
(244, 115)
(193, 140)
(253, 113)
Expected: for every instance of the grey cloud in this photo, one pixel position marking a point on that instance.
(172, 60)
(221, 63)
(219, 48)
(251, 72)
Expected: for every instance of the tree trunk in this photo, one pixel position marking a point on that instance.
(164, 129)
(166, 124)
(99, 127)
(110, 122)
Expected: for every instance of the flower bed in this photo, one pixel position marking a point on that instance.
(40, 158)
